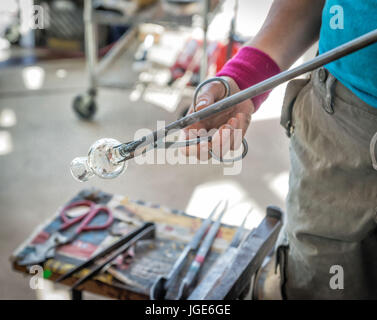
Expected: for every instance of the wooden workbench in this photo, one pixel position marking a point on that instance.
(131, 279)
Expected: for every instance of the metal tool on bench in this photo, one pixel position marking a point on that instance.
(161, 285)
(42, 252)
(232, 279)
(146, 231)
(224, 263)
(107, 157)
(238, 236)
(192, 274)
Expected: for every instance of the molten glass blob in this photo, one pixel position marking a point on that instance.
(80, 169)
(103, 160)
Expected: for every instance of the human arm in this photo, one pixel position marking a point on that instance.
(290, 28)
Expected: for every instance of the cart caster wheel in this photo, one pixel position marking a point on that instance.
(85, 106)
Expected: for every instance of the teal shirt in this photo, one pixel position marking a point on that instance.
(342, 21)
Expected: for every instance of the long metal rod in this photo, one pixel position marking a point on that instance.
(90, 42)
(149, 231)
(124, 239)
(204, 58)
(132, 150)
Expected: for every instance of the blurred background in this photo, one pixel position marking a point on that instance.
(62, 87)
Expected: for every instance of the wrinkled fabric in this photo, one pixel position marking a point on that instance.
(331, 215)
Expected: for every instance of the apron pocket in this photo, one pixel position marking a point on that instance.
(294, 87)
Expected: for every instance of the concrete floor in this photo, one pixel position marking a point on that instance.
(35, 178)
(47, 135)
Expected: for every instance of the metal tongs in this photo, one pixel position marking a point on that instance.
(134, 148)
(163, 283)
(107, 159)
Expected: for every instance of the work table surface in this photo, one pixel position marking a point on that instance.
(130, 276)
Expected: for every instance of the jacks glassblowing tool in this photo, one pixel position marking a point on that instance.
(107, 158)
(193, 272)
(223, 264)
(41, 252)
(163, 283)
(104, 257)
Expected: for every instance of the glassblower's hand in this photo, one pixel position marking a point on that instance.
(227, 127)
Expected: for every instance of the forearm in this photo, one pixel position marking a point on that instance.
(290, 28)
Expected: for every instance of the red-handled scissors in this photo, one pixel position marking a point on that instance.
(86, 218)
(46, 250)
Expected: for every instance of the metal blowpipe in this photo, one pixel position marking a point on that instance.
(107, 158)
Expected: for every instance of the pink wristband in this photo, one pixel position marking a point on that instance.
(250, 66)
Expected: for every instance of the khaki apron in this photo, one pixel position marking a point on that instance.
(332, 202)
